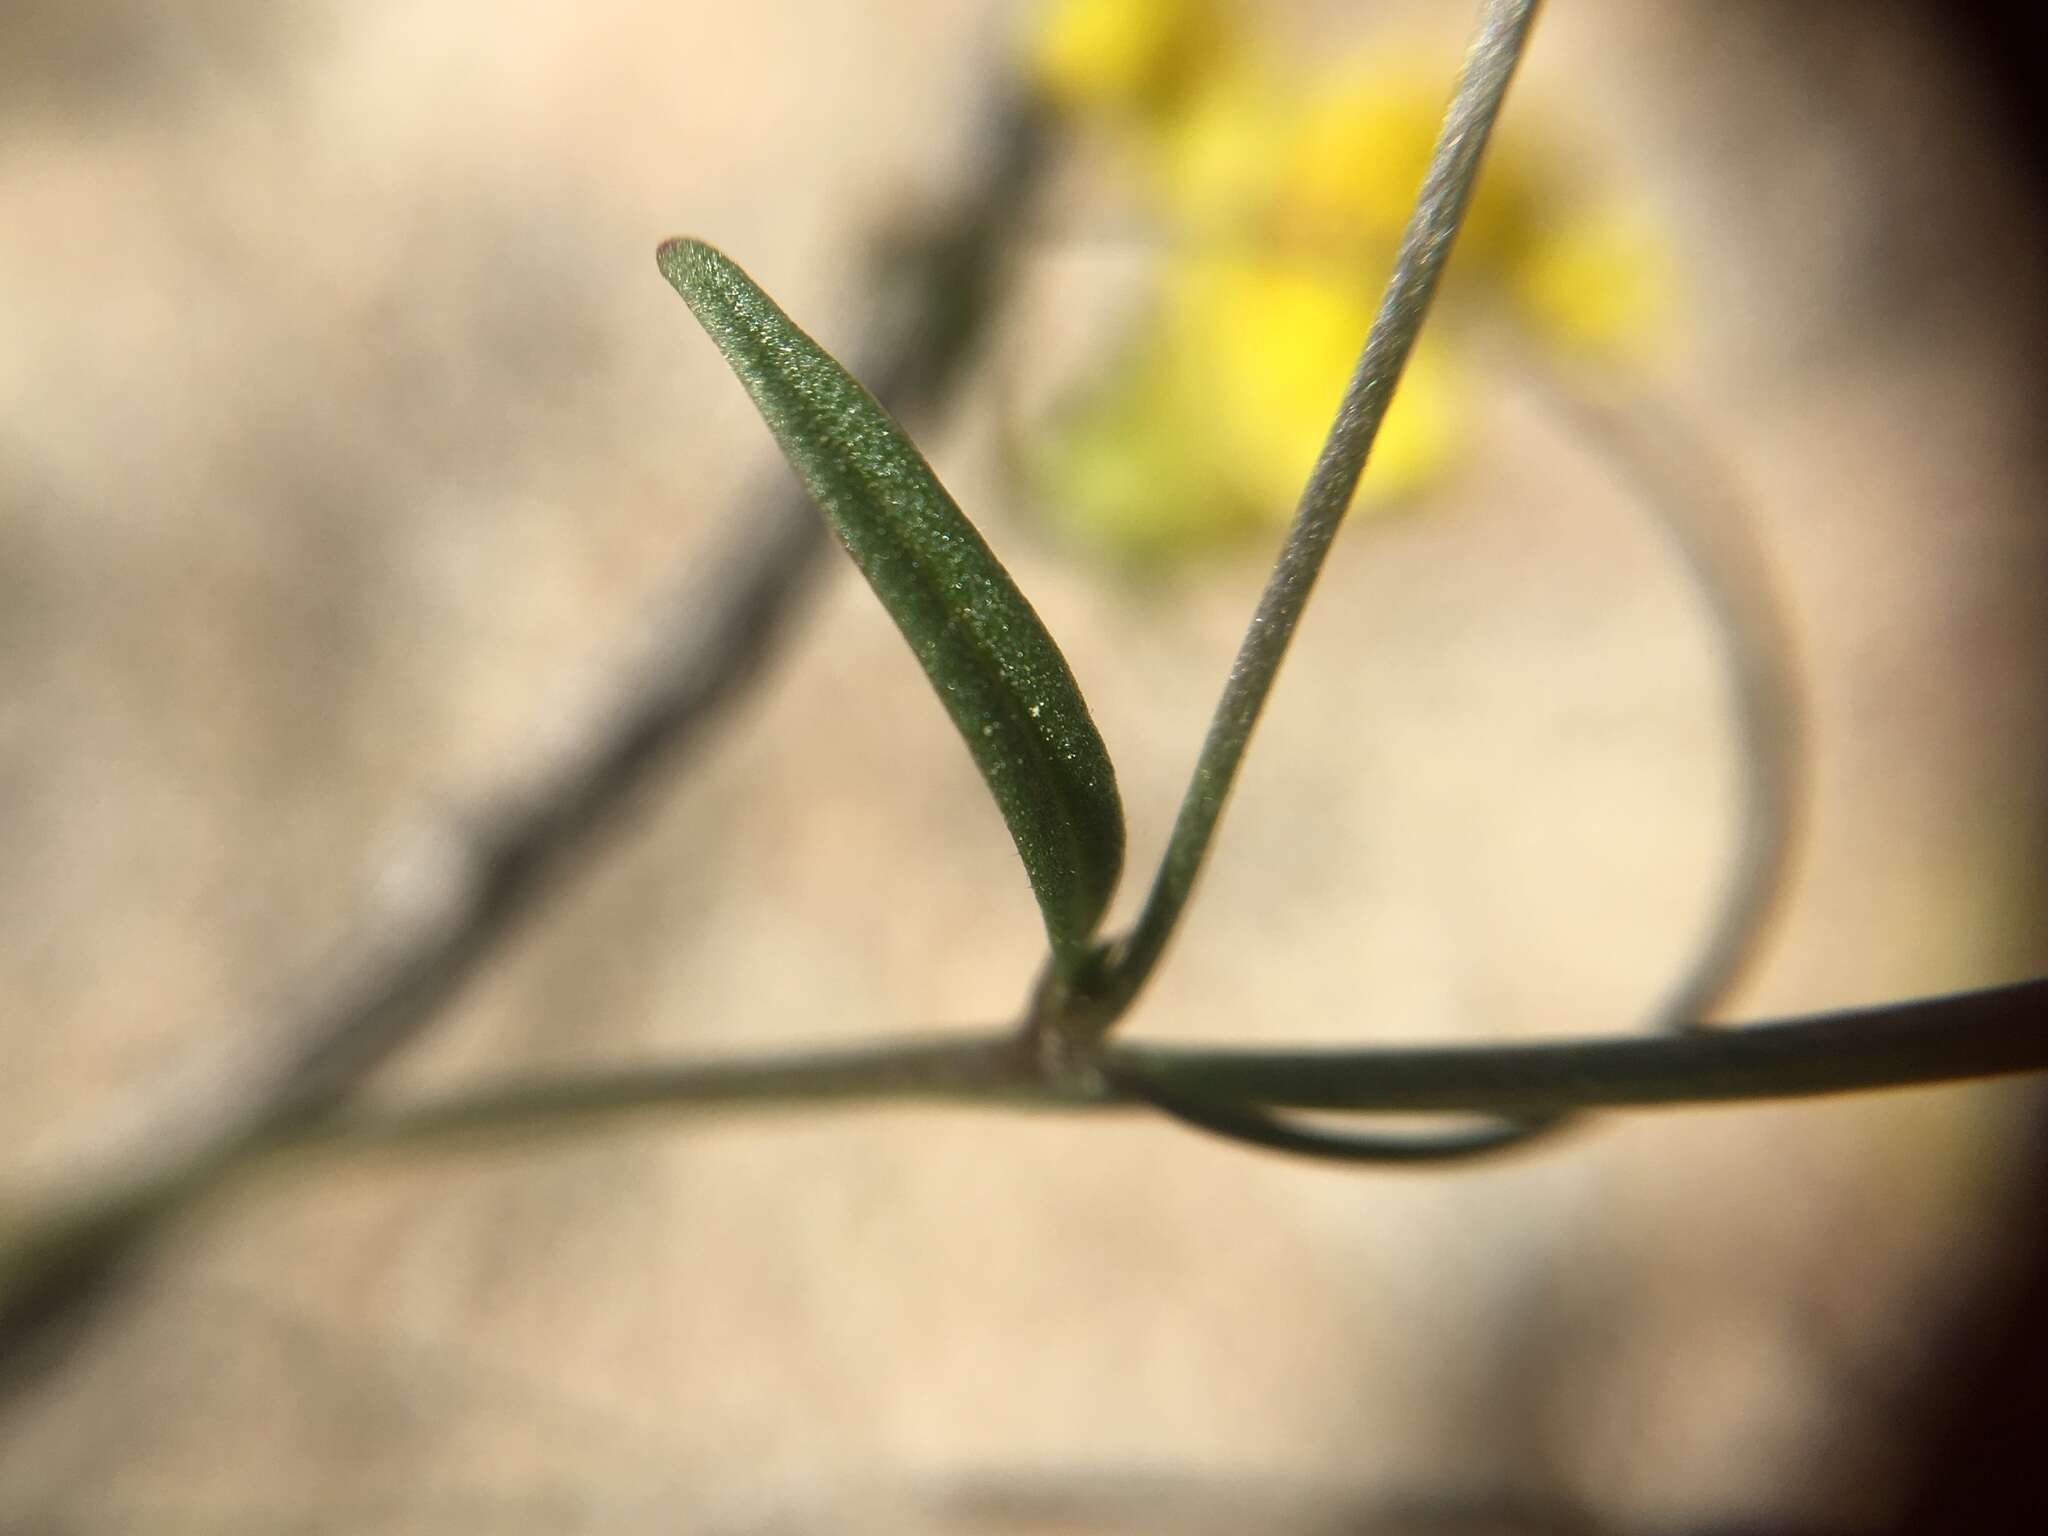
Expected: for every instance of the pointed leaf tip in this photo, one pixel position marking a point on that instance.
(996, 669)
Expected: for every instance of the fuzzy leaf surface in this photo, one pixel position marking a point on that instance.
(996, 669)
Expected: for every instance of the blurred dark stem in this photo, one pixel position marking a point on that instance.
(414, 955)
(723, 627)
(1198, 1501)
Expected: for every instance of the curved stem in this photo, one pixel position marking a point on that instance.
(1440, 209)
(1256, 1126)
(1675, 481)
(1687, 490)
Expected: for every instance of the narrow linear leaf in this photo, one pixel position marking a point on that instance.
(996, 669)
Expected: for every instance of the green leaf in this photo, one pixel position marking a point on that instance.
(996, 669)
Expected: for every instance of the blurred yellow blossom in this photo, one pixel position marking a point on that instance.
(1283, 197)
(1136, 58)
(1600, 284)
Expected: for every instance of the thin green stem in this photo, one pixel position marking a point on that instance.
(1440, 209)
(1927, 1041)
(1678, 483)
(984, 1069)
(63, 1257)
(1987, 1033)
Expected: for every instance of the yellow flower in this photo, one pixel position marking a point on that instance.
(1284, 201)
(1207, 431)
(1601, 285)
(1132, 57)
(1286, 336)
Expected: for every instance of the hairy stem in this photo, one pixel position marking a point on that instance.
(1426, 246)
(1677, 482)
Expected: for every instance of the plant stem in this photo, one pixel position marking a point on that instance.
(1440, 209)
(1645, 441)
(981, 1068)
(59, 1263)
(1985, 1033)
(1680, 486)
(1927, 1041)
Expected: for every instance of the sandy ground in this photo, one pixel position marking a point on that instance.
(347, 435)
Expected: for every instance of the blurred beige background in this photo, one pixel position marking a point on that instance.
(348, 438)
